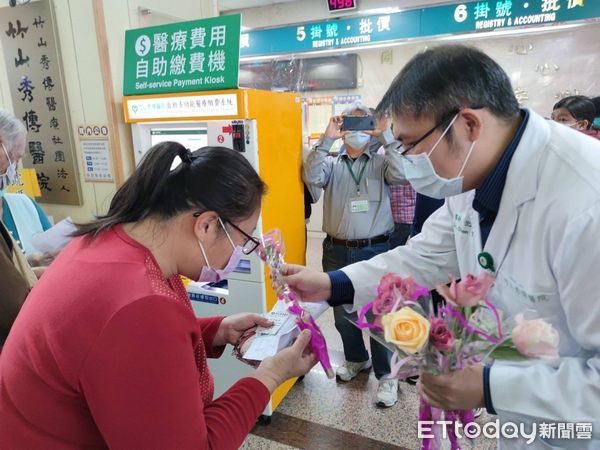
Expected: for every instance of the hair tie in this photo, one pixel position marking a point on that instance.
(183, 156)
(186, 155)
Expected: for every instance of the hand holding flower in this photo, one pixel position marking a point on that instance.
(459, 390)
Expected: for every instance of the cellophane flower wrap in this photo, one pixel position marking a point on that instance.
(463, 331)
(272, 252)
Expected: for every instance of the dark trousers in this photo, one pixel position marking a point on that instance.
(335, 257)
(400, 235)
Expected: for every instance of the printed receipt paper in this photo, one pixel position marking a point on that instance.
(268, 341)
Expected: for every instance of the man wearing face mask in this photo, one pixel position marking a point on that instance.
(357, 218)
(523, 203)
(16, 277)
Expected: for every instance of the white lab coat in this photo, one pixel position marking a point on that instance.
(544, 243)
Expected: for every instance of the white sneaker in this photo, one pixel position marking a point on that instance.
(387, 393)
(349, 370)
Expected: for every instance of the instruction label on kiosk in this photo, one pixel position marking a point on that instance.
(204, 298)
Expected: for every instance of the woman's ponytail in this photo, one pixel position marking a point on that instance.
(171, 180)
(134, 200)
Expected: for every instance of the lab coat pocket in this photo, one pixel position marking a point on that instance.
(533, 302)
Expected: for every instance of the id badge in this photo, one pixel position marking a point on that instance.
(359, 205)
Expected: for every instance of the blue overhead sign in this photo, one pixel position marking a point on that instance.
(466, 17)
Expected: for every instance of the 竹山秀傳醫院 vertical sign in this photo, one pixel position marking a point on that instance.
(198, 55)
(36, 85)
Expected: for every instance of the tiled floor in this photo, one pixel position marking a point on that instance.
(322, 414)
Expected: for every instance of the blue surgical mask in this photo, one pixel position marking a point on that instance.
(10, 175)
(420, 173)
(597, 122)
(211, 275)
(357, 139)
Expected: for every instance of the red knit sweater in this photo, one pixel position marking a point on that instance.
(106, 352)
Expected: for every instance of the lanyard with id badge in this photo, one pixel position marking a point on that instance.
(359, 203)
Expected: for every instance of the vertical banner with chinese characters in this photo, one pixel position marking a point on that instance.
(199, 55)
(34, 72)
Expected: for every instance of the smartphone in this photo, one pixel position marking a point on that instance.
(354, 123)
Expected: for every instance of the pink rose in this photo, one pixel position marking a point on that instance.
(389, 281)
(535, 338)
(467, 292)
(406, 287)
(440, 336)
(384, 302)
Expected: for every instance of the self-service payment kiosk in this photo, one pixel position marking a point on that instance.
(266, 127)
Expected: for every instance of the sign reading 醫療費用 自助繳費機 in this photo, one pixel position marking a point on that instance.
(198, 55)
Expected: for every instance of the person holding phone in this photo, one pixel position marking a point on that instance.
(357, 219)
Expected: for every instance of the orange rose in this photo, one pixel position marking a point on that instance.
(406, 329)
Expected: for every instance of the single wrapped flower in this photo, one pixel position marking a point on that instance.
(467, 292)
(441, 337)
(535, 338)
(407, 329)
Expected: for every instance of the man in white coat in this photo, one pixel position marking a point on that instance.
(523, 202)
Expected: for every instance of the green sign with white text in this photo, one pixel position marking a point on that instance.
(456, 18)
(198, 55)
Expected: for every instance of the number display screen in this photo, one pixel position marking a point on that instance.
(341, 5)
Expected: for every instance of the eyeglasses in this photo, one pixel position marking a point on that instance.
(251, 242)
(446, 118)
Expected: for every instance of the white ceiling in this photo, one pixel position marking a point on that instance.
(226, 5)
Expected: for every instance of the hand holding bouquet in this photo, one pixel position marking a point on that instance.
(448, 344)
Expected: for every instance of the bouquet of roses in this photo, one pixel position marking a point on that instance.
(464, 331)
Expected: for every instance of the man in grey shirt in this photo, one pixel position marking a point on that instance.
(357, 218)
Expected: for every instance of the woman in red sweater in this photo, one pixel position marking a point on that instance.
(107, 352)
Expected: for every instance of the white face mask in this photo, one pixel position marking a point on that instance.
(210, 275)
(357, 139)
(423, 178)
(10, 175)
